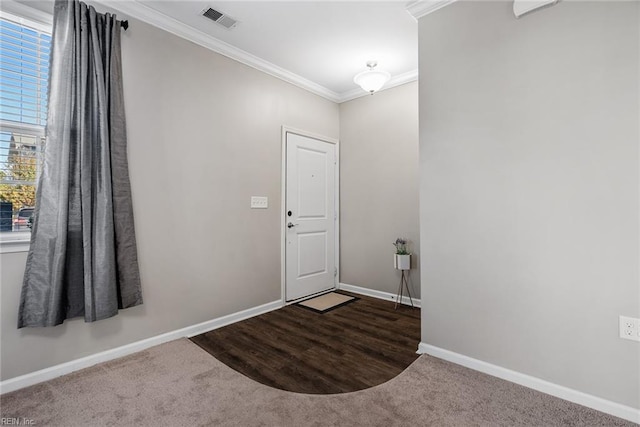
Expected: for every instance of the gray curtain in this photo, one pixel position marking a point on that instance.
(83, 256)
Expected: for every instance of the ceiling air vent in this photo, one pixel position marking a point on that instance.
(220, 18)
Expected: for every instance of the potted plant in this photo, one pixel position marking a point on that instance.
(402, 257)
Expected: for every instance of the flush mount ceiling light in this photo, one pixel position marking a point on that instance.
(371, 80)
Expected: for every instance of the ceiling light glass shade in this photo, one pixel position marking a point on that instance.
(372, 80)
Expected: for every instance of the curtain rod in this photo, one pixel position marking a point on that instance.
(124, 24)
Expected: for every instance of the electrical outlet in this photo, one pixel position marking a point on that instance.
(629, 328)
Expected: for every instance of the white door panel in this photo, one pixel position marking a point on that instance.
(310, 198)
(312, 249)
(312, 183)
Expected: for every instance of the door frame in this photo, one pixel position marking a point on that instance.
(283, 207)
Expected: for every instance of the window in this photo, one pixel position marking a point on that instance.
(24, 72)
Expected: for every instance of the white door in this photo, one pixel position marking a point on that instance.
(310, 216)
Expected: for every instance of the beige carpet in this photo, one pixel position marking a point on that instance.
(179, 384)
(327, 302)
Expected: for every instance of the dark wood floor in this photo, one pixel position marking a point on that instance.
(353, 347)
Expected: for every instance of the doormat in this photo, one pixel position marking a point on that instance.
(327, 302)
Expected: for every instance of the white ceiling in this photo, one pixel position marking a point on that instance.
(325, 42)
(316, 44)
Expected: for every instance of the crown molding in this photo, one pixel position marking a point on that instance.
(420, 8)
(150, 16)
(20, 12)
(398, 80)
(137, 10)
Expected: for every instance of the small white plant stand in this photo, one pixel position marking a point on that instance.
(403, 263)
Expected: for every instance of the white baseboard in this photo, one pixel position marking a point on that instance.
(584, 399)
(47, 374)
(378, 294)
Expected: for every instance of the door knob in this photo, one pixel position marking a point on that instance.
(291, 225)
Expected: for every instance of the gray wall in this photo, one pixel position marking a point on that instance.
(379, 187)
(529, 189)
(204, 136)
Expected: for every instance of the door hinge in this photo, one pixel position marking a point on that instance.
(335, 272)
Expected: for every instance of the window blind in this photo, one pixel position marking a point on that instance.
(24, 73)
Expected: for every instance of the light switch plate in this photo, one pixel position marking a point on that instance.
(259, 202)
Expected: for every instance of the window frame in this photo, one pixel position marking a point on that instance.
(19, 241)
